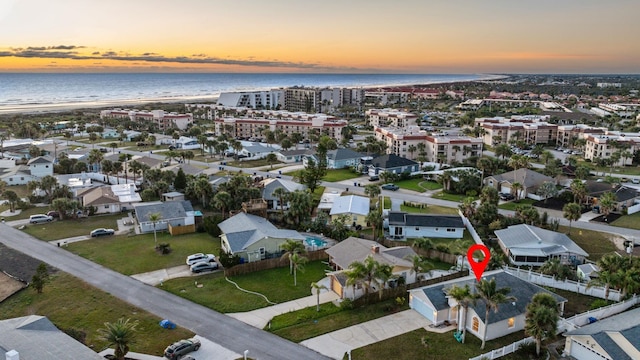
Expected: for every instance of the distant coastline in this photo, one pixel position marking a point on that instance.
(49, 93)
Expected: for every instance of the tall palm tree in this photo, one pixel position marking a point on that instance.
(298, 262)
(155, 219)
(463, 298)
(282, 194)
(484, 164)
(291, 247)
(516, 187)
(579, 190)
(370, 271)
(492, 296)
(607, 203)
(121, 334)
(221, 201)
(571, 212)
(420, 265)
(316, 286)
(541, 318)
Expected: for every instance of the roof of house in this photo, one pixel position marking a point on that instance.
(186, 168)
(390, 161)
(524, 176)
(355, 249)
(624, 193)
(271, 184)
(149, 161)
(589, 269)
(522, 290)
(595, 188)
(351, 204)
(607, 332)
(427, 220)
(40, 160)
(167, 210)
(523, 239)
(257, 148)
(343, 154)
(35, 337)
(243, 230)
(109, 194)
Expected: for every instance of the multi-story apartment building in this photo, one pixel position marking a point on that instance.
(271, 99)
(602, 146)
(405, 142)
(389, 118)
(568, 134)
(162, 119)
(528, 128)
(621, 110)
(250, 127)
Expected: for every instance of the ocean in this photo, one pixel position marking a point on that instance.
(34, 92)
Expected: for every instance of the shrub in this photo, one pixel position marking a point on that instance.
(227, 260)
(164, 248)
(346, 304)
(598, 303)
(210, 225)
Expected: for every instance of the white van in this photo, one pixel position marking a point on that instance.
(40, 218)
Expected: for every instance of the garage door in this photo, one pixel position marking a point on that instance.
(578, 351)
(505, 189)
(423, 308)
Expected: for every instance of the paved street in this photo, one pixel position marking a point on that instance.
(230, 334)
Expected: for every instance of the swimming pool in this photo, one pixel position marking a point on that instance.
(315, 242)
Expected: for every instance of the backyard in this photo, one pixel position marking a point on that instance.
(429, 209)
(62, 229)
(595, 243)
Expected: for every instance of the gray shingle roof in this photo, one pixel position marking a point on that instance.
(355, 249)
(390, 161)
(40, 160)
(524, 176)
(525, 239)
(427, 220)
(343, 154)
(242, 230)
(523, 292)
(271, 184)
(167, 210)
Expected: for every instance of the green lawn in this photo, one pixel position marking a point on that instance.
(430, 209)
(73, 304)
(220, 295)
(72, 227)
(136, 254)
(419, 185)
(628, 221)
(511, 205)
(451, 197)
(20, 190)
(249, 163)
(335, 175)
(24, 214)
(307, 323)
(595, 243)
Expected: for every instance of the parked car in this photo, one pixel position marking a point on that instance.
(635, 181)
(374, 178)
(195, 258)
(53, 214)
(102, 232)
(182, 347)
(40, 218)
(203, 266)
(624, 180)
(506, 197)
(392, 187)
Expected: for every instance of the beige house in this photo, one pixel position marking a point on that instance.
(529, 179)
(109, 199)
(356, 208)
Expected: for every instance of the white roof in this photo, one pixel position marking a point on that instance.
(351, 204)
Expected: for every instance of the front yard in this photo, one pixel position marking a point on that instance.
(429, 209)
(61, 229)
(511, 205)
(628, 221)
(336, 175)
(419, 185)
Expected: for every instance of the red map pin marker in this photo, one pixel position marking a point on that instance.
(478, 266)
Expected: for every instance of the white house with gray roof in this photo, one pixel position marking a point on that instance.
(271, 184)
(254, 238)
(404, 225)
(174, 213)
(532, 246)
(433, 303)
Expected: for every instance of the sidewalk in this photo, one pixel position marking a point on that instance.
(154, 278)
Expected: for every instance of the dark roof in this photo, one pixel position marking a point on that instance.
(40, 160)
(522, 290)
(595, 188)
(427, 220)
(610, 346)
(390, 161)
(624, 193)
(342, 154)
(168, 210)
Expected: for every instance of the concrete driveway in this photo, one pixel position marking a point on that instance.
(156, 277)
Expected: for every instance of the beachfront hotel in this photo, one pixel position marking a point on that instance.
(405, 141)
(389, 118)
(164, 120)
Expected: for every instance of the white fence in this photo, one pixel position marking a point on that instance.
(505, 350)
(470, 229)
(633, 209)
(569, 285)
(580, 320)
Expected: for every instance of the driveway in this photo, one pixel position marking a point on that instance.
(230, 334)
(154, 278)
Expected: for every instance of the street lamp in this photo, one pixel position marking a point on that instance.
(246, 352)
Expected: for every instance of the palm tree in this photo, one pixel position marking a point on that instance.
(579, 190)
(463, 298)
(155, 219)
(291, 247)
(492, 298)
(420, 265)
(541, 318)
(317, 287)
(121, 334)
(221, 201)
(484, 164)
(516, 187)
(571, 212)
(374, 219)
(370, 271)
(282, 194)
(607, 203)
(297, 262)
(412, 149)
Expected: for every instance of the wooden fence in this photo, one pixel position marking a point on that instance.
(271, 263)
(179, 230)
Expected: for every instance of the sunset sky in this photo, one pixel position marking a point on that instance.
(348, 36)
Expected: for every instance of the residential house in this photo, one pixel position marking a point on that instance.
(173, 196)
(173, 214)
(528, 245)
(109, 199)
(355, 207)
(353, 249)
(270, 185)
(152, 163)
(404, 225)
(342, 158)
(35, 169)
(529, 179)
(256, 151)
(433, 303)
(254, 238)
(35, 337)
(292, 156)
(186, 168)
(587, 271)
(110, 134)
(613, 338)
(326, 201)
(624, 196)
(393, 164)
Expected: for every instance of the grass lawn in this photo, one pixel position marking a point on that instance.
(20, 190)
(24, 214)
(250, 163)
(335, 175)
(220, 295)
(628, 221)
(451, 197)
(419, 185)
(511, 205)
(594, 243)
(421, 344)
(576, 303)
(73, 304)
(72, 227)
(430, 209)
(135, 254)
(386, 202)
(307, 323)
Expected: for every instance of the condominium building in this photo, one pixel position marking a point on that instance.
(404, 142)
(532, 129)
(389, 118)
(164, 120)
(602, 146)
(271, 99)
(568, 134)
(247, 128)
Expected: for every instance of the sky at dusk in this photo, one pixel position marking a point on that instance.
(328, 36)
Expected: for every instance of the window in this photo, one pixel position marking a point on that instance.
(451, 230)
(106, 206)
(475, 324)
(511, 323)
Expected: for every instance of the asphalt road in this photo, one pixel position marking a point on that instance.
(221, 329)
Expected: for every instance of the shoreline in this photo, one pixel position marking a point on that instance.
(34, 109)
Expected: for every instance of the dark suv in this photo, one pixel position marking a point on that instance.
(180, 348)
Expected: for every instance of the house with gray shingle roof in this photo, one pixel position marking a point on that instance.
(529, 179)
(624, 196)
(433, 303)
(393, 164)
(35, 337)
(254, 238)
(353, 249)
(271, 184)
(614, 338)
(404, 225)
(532, 246)
(172, 213)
